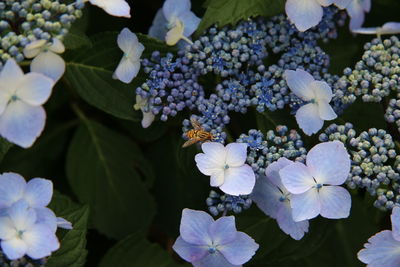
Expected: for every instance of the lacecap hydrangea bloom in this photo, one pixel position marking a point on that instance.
(315, 185)
(205, 242)
(383, 249)
(272, 197)
(227, 168)
(318, 94)
(22, 117)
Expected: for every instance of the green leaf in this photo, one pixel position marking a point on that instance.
(90, 72)
(108, 171)
(137, 251)
(223, 12)
(4, 147)
(72, 252)
(76, 37)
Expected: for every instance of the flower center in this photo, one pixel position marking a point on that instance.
(212, 250)
(14, 98)
(318, 186)
(226, 167)
(20, 233)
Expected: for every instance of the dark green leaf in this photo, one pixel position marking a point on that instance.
(4, 147)
(108, 171)
(137, 251)
(72, 252)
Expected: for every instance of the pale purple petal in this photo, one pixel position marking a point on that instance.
(12, 188)
(127, 41)
(39, 192)
(329, 163)
(299, 82)
(356, 13)
(239, 181)
(22, 123)
(305, 206)
(296, 178)
(213, 158)
(148, 118)
(173, 8)
(381, 251)
(47, 217)
(322, 91)
(14, 248)
(366, 5)
(127, 70)
(9, 75)
(236, 154)
(308, 119)
(325, 111)
(267, 196)
(390, 28)
(241, 250)
(63, 223)
(22, 216)
(217, 178)
(342, 3)
(395, 217)
(335, 202)
(118, 8)
(159, 27)
(34, 88)
(285, 221)
(189, 252)
(40, 241)
(7, 229)
(372, 30)
(272, 171)
(194, 227)
(213, 260)
(49, 64)
(325, 2)
(190, 22)
(304, 13)
(223, 230)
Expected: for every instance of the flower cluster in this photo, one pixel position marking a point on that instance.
(218, 203)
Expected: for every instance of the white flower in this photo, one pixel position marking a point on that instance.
(315, 187)
(21, 234)
(356, 10)
(387, 28)
(22, 116)
(148, 116)
(311, 116)
(181, 22)
(117, 8)
(227, 168)
(46, 60)
(129, 65)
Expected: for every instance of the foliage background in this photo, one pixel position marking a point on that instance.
(132, 183)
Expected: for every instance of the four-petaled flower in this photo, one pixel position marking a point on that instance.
(273, 199)
(315, 187)
(129, 66)
(117, 8)
(205, 242)
(227, 168)
(383, 249)
(311, 116)
(22, 116)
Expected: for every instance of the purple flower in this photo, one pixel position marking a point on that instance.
(315, 187)
(274, 200)
(208, 243)
(383, 249)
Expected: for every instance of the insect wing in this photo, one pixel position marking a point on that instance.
(196, 125)
(190, 142)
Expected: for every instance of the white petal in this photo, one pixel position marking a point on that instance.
(148, 118)
(21, 123)
(127, 41)
(374, 30)
(239, 181)
(173, 8)
(267, 196)
(325, 110)
(213, 158)
(10, 75)
(127, 70)
(40, 241)
(390, 28)
(272, 172)
(325, 2)
(175, 34)
(342, 3)
(194, 227)
(329, 163)
(322, 91)
(299, 82)
(308, 119)
(304, 13)
(305, 206)
(117, 8)
(335, 202)
(12, 188)
(190, 22)
(49, 64)
(236, 154)
(38, 192)
(285, 221)
(217, 178)
(34, 48)
(7, 228)
(34, 88)
(395, 217)
(22, 216)
(57, 46)
(296, 178)
(14, 248)
(356, 13)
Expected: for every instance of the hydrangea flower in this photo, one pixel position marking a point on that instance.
(383, 249)
(315, 186)
(356, 10)
(46, 60)
(117, 8)
(22, 116)
(129, 66)
(308, 13)
(311, 116)
(148, 116)
(178, 20)
(273, 199)
(208, 243)
(37, 194)
(387, 28)
(21, 234)
(227, 168)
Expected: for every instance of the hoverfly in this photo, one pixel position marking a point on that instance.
(197, 134)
